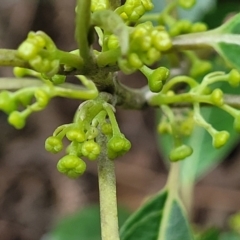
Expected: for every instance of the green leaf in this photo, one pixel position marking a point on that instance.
(228, 43)
(160, 218)
(84, 224)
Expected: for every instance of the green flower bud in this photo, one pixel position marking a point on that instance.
(180, 153)
(162, 41)
(7, 102)
(106, 128)
(198, 27)
(164, 128)
(157, 79)
(147, 4)
(117, 146)
(76, 134)
(234, 78)
(58, 79)
(217, 97)
(99, 5)
(134, 60)
(112, 42)
(125, 66)
(91, 150)
(72, 166)
(17, 119)
(27, 50)
(185, 25)
(186, 3)
(220, 139)
(53, 144)
(42, 98)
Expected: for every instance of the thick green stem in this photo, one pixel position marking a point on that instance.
(107, 192)
(82, 31)
(9, 58)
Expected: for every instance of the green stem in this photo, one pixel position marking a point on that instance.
(9, 57)
(70, 59)
(173, 179)
(16, 83)
(82, 30)
(107, 192)
(108, 57)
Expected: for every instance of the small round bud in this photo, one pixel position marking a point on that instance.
(7, 102)
(58, 79)
(234, 78)
(186, 3)
(91, 150)
(198, 27)
(76, 135)
(217, 97)
(180, 153)
(164, 128)
(117, 146)
(106, 128)
(112, 42)
(72, 166)
(220, 139)
(162, 41)
(17, 119)
(157, 79)
(134, 60)
(53, 144)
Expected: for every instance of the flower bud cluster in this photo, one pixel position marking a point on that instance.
(185, 26)
(146, 45)
(10, 102)
(133, 10)
(91, 124)
(39, 51)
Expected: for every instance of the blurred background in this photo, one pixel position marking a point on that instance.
(34, 196)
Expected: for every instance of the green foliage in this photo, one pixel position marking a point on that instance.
(161, 217)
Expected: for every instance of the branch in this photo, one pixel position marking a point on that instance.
(107, 192)
(82, 30)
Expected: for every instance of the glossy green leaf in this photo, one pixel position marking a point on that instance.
(84, 224)
(160, 218)
(228, 43)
